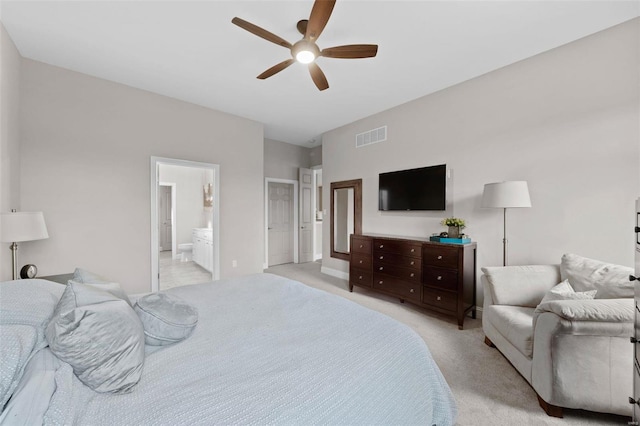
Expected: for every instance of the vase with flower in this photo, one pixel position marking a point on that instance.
(455, 226)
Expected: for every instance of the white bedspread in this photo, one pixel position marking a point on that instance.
(268, 350)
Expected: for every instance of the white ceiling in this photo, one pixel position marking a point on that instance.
(191, 51)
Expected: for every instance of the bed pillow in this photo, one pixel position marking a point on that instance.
(18, 342)
(30, 400)
(85, 277)
(584, 274)
(167, 319)
(100, 336)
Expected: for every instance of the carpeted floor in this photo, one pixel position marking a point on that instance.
(488, 390)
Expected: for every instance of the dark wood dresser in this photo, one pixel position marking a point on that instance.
(436, 276)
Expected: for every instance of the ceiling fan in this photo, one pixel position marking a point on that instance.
(306, 50)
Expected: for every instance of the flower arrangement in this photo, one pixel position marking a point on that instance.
(454, 221)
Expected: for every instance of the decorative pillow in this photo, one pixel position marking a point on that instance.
(85, 277)
(562, 291)
(17, 343)
(100, 336)
(166, 318)
(611, 281)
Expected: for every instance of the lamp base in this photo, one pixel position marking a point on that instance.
(14, 259)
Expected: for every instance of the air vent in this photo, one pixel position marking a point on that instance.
(372, 136)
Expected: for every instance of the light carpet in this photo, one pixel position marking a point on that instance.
(488, 390)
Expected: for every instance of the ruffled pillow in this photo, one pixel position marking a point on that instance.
(562, 291)
(167, 319)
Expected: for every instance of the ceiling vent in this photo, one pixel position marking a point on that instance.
(371, 136)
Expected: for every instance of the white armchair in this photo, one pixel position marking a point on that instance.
(574, 353)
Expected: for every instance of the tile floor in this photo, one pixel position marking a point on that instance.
(174, 273)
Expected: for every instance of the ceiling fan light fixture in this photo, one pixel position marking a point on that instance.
(305, 51)
(305, 56)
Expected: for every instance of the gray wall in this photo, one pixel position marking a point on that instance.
(190, 212)
(315, 156)
(566, 121)
(86, 148)
(10, 63)
(282, 160)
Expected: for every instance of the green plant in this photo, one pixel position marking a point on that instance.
(453, 221)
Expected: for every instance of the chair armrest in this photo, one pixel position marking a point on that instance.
(598, 310)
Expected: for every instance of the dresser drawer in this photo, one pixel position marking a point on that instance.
(397, 287)
(396, 259)
(360, 245)
(409, 274)
(362, 261)
(360, 277)
(440, 255)
(405, 248)
(441, 277)
(439, 299)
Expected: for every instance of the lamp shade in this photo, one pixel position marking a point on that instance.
(22, 226)
(506, 194)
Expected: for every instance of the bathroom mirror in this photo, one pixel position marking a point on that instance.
(346, 215)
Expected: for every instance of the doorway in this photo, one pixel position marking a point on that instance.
(281, 221)
(184, 222)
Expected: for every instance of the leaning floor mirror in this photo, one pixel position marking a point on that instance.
(346, 215)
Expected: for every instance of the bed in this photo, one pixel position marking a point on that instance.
(266, 350)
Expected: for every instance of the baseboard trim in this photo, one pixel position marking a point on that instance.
(317, 257)
(479, 313)
(265, 266)
(335, 273)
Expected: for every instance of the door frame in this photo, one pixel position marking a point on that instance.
(266, 218)
(174, 245)
(154, 180)
(314, 206)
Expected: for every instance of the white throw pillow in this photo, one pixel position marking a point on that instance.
(562, 291)
(100, 336)
(584, 274)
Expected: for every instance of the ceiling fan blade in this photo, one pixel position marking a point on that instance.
(276, 69)
(318, 19)
(351, 51)
(318, 76)
(261, 32)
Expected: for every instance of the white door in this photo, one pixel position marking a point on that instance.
(306, 216)
(280, 223)
(164, 217)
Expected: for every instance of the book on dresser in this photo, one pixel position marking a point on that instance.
(436, 276)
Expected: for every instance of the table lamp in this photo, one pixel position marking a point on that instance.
(17, 227)
(506, 195)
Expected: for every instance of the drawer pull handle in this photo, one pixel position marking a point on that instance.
(412, 250)
(438, 298)
(412, 274)
(412, 262)
(379, 282)
(361, 246)
(411, 291)
(439, 277)
(361, 261)
(381, 268)
(360, 277)
(381, 257)
(381, 245)
(439, 257)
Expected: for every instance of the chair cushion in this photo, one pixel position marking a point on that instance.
(521, 285)
(515, 323)
(584, 274)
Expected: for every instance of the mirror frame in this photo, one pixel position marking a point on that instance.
(356, 184)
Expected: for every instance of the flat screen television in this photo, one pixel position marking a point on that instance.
(415, 189)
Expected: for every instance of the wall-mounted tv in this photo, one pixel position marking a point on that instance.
(415, 189)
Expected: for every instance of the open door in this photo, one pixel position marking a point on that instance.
(306, 216)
